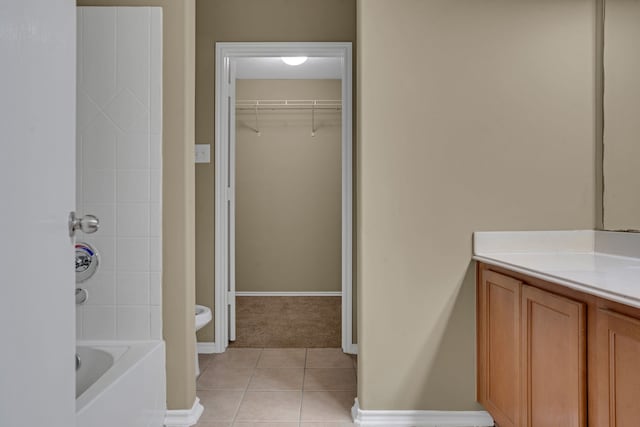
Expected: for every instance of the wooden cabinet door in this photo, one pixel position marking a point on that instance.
(553, 360)
(499, 347)
(617, 370)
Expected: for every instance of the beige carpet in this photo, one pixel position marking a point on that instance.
(283, 322)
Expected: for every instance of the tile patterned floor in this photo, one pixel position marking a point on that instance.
(292, 387)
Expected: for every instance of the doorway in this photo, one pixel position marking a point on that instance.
(229, 56)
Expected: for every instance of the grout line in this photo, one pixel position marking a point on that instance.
(255, 368)
(304, 377)
(246, 389)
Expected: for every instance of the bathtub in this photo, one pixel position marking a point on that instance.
(121, 384)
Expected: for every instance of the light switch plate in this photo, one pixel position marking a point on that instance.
(202, 153)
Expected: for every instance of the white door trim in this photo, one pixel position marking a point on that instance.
(224, 53)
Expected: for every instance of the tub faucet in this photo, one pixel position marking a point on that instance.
(78, 362)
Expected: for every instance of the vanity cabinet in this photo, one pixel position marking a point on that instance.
(499, 347)
(532, 353)
(616, 370)
(553, 360)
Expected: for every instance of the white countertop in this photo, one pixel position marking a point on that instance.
(601, 263)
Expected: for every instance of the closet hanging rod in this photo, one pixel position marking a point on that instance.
(289, 104)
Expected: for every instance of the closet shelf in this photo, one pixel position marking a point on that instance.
(289, 104)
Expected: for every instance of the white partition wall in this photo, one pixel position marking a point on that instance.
(119, 146)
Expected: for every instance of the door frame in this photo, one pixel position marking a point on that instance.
(224, 53)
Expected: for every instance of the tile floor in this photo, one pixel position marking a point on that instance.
(293, 387)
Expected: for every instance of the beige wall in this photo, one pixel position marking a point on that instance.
(288, 190)
(247, 21)
(178, 231)
(474, 115)
(621, 115)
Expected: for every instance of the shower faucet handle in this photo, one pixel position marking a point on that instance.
(87, 224)
(81, 296)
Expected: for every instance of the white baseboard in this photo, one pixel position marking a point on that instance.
(207, 348)
(420, 418)
(288, 294)
(184, 417)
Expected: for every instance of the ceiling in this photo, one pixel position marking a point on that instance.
(274, 68)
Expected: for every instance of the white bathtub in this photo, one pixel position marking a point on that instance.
(121, 384)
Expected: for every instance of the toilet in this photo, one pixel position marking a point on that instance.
(203, 317)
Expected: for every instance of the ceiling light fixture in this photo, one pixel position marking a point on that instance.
(294, 60)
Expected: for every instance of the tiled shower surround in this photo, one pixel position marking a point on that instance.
(119, 170)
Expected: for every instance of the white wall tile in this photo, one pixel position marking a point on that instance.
(99, 144)
(155, 72)
(99, 55)
(156, 322)
(132, 254)
(133, 322)
(79, 322)
(86, 109)
(155, 151)
(128, 113)
(133, 51)
(133, 186)
(155, 254)
(79, 48)
(101, 288)
(106, 213)
(155, 288)
(99, 322)
(133, 288)
(119, 98)
(99, 185)
(156, 185)
(79, 209)
(133, 220)
(155, 219)
(79, 170)
(133, 150)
